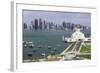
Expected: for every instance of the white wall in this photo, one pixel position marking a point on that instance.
(5, 35)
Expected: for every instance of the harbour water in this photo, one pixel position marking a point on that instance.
(44, 39)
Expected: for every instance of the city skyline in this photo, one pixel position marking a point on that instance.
(57, 17)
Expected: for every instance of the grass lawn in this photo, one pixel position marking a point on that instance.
(85, 49)
(84, 56)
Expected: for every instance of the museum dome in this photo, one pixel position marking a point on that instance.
(77, 35)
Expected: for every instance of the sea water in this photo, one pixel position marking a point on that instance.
(44, 39)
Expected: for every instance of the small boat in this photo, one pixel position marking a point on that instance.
(29, 55)
(43, 54)
(28, 44)
(49, 47)
(39, 46)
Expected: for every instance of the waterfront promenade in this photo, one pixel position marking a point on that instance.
(72, 50)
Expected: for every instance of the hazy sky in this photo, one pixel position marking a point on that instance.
(57, 17)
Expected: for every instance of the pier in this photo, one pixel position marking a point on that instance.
(72, 50)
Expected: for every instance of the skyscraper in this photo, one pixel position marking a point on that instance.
(32, 25)
(25, 26)
(36, 24)
(40, 24)
(45, 25)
